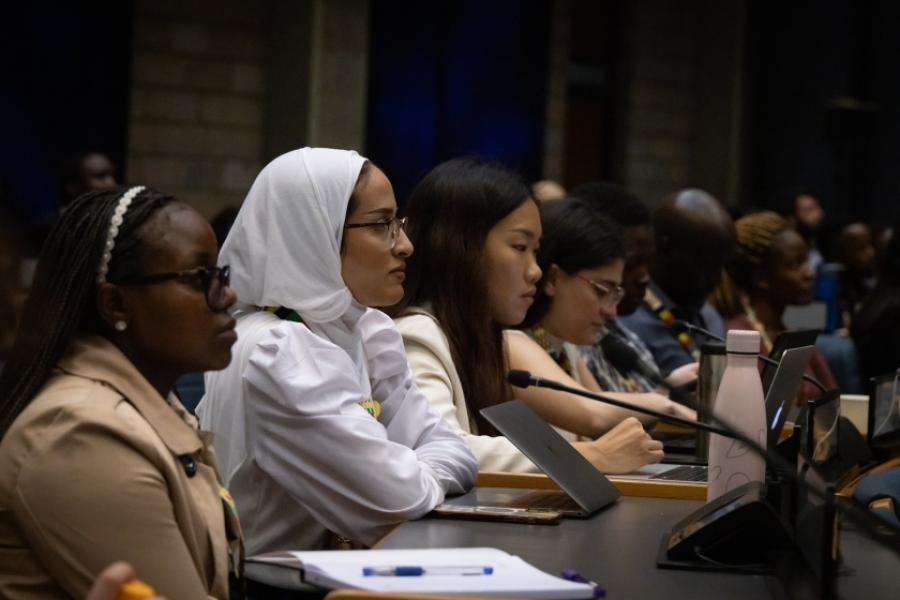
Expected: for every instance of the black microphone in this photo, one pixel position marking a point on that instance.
(696, 329)
(624, 358)
(524, 379)
(868, 524)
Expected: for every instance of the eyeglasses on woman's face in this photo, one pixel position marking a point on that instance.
(607, 294)
(213, 281)
(391, 228)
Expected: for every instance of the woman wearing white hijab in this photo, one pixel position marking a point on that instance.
(318, 425)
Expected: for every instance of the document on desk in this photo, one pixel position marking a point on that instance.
(466, 571)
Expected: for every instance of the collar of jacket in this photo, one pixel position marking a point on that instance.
(95, 357)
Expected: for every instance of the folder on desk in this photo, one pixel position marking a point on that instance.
(510, 577)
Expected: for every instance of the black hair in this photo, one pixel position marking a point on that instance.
(615, 202)
(450, 212)
(786, 200)
(576, 237)
(72, 166)
(353, 202)
(364, 173)
(62, 300)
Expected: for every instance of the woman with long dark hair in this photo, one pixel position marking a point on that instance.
(477, 230)
(99, 461)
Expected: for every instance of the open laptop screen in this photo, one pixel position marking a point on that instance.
(822, 425)
(783, 390)
(884, 411)
(785, 341)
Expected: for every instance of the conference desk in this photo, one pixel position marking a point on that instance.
(617, 548)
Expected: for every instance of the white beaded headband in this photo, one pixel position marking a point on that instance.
(114, 223)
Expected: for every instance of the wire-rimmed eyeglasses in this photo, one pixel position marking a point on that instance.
(608, 295)
(391, 227)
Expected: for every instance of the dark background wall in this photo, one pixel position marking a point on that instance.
(455, 78)
(820, 108)
(823, 106)
(64, 89)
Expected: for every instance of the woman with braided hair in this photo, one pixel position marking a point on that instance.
(99, 461)
(768, 272)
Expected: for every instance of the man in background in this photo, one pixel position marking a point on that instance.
(694, 238)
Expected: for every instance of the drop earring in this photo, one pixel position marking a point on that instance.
(121, 325)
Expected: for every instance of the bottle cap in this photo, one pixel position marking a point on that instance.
(742, 341)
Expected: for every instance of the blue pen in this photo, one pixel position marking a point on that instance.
(419, 571)
(573, 575)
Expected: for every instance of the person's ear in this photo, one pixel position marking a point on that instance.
(113, 306)
(550, 279)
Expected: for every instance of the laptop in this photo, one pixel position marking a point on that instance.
(785, 341)
(779, 400)
(884, 412)
(783, 389)
(584, 489)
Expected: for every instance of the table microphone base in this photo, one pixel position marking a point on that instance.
(739, 531)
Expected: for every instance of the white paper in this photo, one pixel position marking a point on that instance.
(511, 577)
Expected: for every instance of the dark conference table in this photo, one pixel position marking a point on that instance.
(617, 548)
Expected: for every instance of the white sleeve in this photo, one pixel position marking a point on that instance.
(310, 434)
(405, 412)
(429, 356)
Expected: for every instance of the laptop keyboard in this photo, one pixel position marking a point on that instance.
(545, 500)
(684, 473)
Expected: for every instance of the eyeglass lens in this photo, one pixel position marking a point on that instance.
(217, 282)
(394, 230)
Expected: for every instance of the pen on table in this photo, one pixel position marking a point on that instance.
(418, 571)
(573, 575)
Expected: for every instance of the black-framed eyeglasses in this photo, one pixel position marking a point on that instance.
(608, 296)
(391, 227)
(212, 280)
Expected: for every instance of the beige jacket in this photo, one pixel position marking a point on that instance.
(428, 353)
(99, 468)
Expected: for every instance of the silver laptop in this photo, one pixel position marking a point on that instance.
(580, 481)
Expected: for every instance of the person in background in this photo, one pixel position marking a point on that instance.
(11, 285)
(635, 221)
(856, 252)
(803, 212)
(694, 238)
(582, 259)
(876, 328)
(99, 461)
(882, 237)
(318, 423)
(86, 172)
(546, 190)
(477, 230)
(769, 271)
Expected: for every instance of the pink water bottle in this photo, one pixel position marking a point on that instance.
(740, 403)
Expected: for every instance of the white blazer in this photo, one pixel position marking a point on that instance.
(428, 352)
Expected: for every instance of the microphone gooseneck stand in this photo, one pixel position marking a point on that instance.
(871, 526)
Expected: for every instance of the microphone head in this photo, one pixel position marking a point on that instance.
(519, 378)
(684, 327)
(681, 326)
(619, 353)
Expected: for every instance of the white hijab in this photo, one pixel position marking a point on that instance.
(285, 245)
